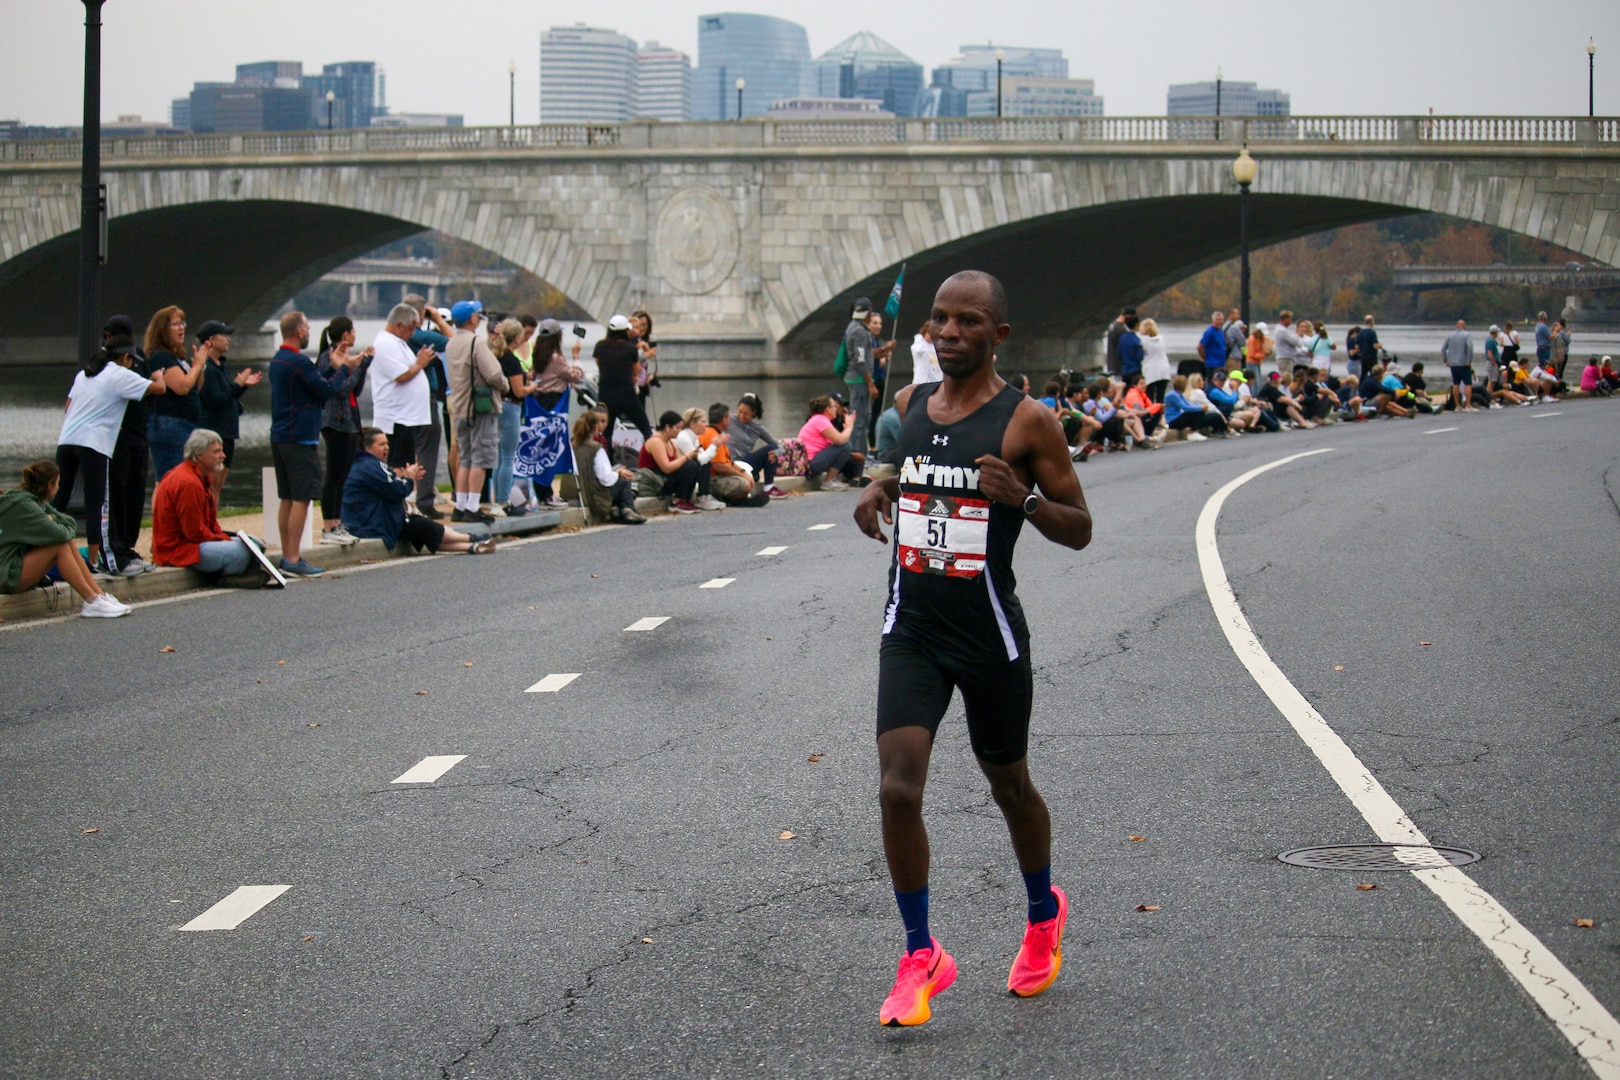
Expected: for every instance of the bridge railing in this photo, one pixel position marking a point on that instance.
(649, 135)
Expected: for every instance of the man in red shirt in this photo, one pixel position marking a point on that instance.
(185, 522)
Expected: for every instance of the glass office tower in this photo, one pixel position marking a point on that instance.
(771, 55)
(866, 66)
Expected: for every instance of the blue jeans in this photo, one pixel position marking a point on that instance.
(228, 556)
(167, 436)
(511, 424)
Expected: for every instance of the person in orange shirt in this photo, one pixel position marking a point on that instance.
(1143, 409)
(185, 522)
(731, 482)
(1261, 347)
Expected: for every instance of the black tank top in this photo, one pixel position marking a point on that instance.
(951, 583)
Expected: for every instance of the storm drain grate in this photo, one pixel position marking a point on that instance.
(1379, 857)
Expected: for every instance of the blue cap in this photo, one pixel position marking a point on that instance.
(462, 310)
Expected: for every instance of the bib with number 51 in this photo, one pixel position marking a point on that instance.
(943, 534)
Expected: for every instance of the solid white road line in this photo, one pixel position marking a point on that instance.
(552, 683)
(429, 769)
(1439, 430)
(1582, 1019)
(822, 528)
(1544, 415)
(717, 583)
(771, 550)
(236, 908)
(651, 622)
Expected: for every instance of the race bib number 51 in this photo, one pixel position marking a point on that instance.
(940, 534)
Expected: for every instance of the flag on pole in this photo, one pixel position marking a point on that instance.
(892, 308)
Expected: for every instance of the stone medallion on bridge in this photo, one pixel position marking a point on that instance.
(696, 239)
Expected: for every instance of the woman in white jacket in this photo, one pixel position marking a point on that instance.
(1156, 367)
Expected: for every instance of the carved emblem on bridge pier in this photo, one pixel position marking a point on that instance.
(696, 239)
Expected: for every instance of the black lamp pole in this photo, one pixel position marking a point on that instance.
(1591, 76)
(92, 196)
(1243, 238)
(998, 84)
(740, 84)
(1218, 117)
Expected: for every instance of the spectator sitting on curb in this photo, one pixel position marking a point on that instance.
(1053, 396)
(1226, 399)
(1377, 397)
(694, 425)
(1592, 380)
(36, 538)
(1100, 408)
(1419, 386)
(828, 445)
(678, 473)
(1180, 414)
(888, 436)
(732, 483)
(608, 492)
(1544, 381)
(754, 446)
(1283, 405)
(185, 515)
(1139, 404)
(374, 503)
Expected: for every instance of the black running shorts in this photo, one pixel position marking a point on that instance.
(914, 690)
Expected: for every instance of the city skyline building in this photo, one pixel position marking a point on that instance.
(835, 108)
(771, 56)
(974, 69)
(587, 76)
(353, 84)
(1037, 95)
(663, 83)
(1236, 99)
(865, 66)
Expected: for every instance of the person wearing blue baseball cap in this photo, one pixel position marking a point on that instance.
(476, 383)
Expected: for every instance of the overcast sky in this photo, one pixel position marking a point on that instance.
(1342, 57)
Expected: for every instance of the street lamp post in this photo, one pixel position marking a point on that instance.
(741, 82)
(1591, 68)
(331, 96)
(511, 103)
(92, 196)
(1244, 170)
(1217, 104)
(1001, 54)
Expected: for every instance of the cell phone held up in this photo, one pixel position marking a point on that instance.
(579, 331)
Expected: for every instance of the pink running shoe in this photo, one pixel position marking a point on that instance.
(1041, 955)
(923, 974)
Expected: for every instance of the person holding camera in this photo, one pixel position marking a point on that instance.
(374, 503)
(476, 381)
(647, 352)
(618, 367)
(826, 437)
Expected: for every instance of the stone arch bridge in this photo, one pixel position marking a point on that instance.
(747, 241)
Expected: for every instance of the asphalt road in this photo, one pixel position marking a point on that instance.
(600, 888)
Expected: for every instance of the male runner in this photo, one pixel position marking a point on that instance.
(973, 451)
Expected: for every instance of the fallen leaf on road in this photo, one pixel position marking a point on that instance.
(813, 758)
(1423, 643)
(281, 661)
(259, 681)
(1138, 839)
(531, 607)
(467, 663)
(1584, 924)
(1366, 888)
(1147, 907)
(593, 575)
(167, 648)
(309, 937)
(92, 830)
(421, 693)
(312, 725)
(1338, 667)
(646, 940)
(786, 835)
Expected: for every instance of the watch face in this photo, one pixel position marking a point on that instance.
(1031, 501)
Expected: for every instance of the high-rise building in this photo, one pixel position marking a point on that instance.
(1037, 95)
(233, 107)
(866, 66)
(771, 56)
(974, 69)
(354, 93)
(284, 74)
(1236, 99)
(180, 113)
(587, 75)
(663, 83)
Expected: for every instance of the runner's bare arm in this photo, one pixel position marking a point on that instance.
(1035, 442)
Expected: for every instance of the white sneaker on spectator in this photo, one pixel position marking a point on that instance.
(709, 502)
(555, 503)
(104, 607)
(834, 485)
(1195, 436)
(331, 538)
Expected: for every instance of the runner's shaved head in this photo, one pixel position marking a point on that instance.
(996, 293)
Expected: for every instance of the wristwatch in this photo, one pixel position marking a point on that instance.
(1031, 501)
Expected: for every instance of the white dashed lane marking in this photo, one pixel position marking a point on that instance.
(717, 583)
(822, 528)
(771, 550)
(552, 683)
(651, 622)
(430, 769)
(1544, 415)
(1439, 430)
(236, 908)
(1578, 1015)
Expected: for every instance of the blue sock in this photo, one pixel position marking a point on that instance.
(914, 913)
(1042, 900)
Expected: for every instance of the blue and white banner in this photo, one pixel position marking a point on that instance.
(543, 450)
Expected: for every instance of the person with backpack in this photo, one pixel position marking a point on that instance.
(854, 365)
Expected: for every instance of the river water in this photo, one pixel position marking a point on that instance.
(32, 398)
